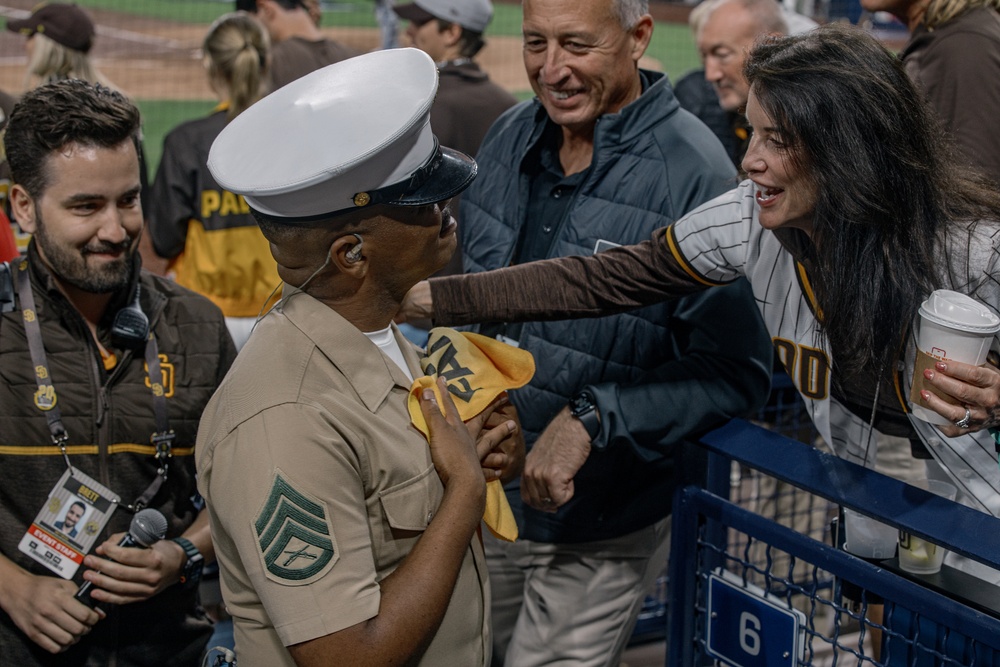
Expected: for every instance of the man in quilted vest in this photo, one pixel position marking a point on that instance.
(602, 156)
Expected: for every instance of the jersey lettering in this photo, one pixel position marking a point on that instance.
(223, 203)
(785, 349)
(809, 367)
(230, 204)
(814, 373)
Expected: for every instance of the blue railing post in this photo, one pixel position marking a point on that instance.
(682, 570)
(682, 578)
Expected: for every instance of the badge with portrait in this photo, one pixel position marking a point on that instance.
(65, 530)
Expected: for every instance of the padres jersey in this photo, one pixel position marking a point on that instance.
(215, 245)
(716, 244)
(723, 240)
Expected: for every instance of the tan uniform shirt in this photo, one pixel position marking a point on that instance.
(318, 487)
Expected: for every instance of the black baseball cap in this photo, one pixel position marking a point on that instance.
(64, 24)
(251, 5)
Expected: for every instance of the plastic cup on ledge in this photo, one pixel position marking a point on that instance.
(917, 555)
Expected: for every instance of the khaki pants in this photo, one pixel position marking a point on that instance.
(571, 604)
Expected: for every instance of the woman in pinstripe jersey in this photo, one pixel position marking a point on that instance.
(854, 211)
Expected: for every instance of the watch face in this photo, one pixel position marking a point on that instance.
(581, 404)
(192, 570)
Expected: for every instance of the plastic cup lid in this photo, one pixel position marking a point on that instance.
(958, 311)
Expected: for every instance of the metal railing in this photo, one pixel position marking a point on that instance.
(761, 494)
(726, 607)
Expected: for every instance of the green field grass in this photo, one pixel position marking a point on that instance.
(161, 116)
(354, 13)
(184, 11)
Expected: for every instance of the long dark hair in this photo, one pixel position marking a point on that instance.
(887, 185)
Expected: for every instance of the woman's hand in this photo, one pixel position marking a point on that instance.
(975, 388)
(417, 304)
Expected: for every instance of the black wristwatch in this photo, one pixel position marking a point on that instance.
(191, 572)
(583, 407)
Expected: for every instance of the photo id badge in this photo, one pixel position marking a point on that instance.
(65, 530)
(603, 245)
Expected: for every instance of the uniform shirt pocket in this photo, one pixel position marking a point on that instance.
(411, 505)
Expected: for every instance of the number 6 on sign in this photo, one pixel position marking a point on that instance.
(750, 628)
(749, 633)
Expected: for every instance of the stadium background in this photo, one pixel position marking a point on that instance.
(150, 49)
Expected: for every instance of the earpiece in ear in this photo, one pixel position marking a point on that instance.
(354, 254)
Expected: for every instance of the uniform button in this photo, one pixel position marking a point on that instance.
(430, 515)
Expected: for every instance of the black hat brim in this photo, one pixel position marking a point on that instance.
(449, 174)
(411, 12)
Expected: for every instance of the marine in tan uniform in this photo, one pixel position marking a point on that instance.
(343, 538)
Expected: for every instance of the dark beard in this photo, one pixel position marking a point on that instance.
(71, 268)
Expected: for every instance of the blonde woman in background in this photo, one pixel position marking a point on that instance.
(206, 234)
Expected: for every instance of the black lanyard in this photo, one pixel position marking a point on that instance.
(46, 399)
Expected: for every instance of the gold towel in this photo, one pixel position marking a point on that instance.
(477, 369)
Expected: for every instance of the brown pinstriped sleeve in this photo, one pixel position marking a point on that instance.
(610, 282)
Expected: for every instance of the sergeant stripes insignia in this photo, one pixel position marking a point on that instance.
(294, 535)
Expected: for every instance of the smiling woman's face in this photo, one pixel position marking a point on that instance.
(786, 194)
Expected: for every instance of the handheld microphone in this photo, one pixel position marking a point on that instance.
(148, 527)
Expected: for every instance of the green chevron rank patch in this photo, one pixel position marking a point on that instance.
(293, 531)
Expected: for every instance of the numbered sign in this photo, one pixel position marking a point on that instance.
(748, 628)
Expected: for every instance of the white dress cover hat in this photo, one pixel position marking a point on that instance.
(352, 134)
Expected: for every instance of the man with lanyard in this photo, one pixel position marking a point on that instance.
(106, 371)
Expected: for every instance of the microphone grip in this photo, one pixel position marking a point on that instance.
(82, 595)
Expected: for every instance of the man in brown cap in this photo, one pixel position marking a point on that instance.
(298, 45)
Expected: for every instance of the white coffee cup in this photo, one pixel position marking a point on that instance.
(953, 327)
(916, 554)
